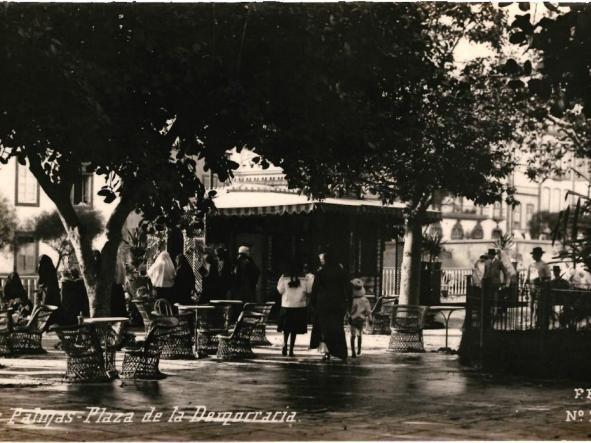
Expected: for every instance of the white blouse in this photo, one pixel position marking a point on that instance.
(294, 297)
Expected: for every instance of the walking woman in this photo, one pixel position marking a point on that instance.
(293, 317)
(48, 285)
(162, 276)
(184, 282)
(329, 300)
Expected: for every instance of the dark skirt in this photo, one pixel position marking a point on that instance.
(293, 320)
(329, 328)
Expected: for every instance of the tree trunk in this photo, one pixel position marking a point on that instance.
(410, 268)
(98, 282)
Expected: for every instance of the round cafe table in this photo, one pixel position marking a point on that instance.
(109, 338)
(231, 310)
(446, 312)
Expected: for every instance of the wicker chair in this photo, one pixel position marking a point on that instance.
(26, 339)
(111, 339)
(145, 308)
(5, 332)
(237, 345)
(259, 335)
(208, 328)
(406, 327)
(142, 363)
(381, 314)
(86, 360)
(179, 343)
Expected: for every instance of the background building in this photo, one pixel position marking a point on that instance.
(22, 192)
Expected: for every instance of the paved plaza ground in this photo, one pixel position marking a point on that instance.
(378, 396)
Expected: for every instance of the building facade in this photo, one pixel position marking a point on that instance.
(468, 230)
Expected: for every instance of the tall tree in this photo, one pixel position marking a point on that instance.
(136, 93)
(130, 93)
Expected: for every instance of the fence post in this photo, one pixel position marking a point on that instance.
(543, 313)
(469, 300)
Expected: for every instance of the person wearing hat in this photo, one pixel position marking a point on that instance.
(478, 271)
(537, 273)
(246, 275)
(360, 313)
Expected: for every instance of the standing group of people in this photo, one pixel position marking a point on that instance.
(331, 297)
(223, 279)
(174, 282)
(327, 294)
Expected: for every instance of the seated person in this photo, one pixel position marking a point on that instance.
(21, 310)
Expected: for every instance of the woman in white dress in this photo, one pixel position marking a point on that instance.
(162, 274)
(293, 317)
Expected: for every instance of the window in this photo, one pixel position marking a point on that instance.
(435, 230)
(477, 232)
(497, 210)
(458, 204)
(517, 217)
(457, 232)
(529, 212)
(25, 254)
(545, 205)
(82, 191)
(27, 188)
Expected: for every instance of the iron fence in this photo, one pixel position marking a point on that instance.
(523, 307)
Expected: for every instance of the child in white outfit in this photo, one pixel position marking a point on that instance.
(360, 313)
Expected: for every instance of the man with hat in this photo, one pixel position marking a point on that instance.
(537, 273)
(246, 276)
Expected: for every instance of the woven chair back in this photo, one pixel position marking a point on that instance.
(160, 329)
(163, 307)
(408, 317)
(261, 308)
(245, 325)
(78, 339)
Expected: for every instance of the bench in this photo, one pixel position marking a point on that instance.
(237, 345)
(406, 326)
(142, 362)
